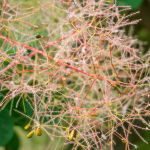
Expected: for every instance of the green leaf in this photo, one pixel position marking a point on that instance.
(6, 126)
(29, 108)
(133, 3)
(13, 144)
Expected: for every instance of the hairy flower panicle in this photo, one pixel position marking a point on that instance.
(85, 75)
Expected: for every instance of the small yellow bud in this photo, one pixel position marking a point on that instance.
(94, 114)
(38, 131)
(27, 126)
(71, 135)
(30, 134)
(123, 141)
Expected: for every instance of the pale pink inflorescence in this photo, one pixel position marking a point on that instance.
(85, 76)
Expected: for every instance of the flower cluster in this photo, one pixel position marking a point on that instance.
(83, 79)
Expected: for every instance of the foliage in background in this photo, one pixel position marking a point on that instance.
(72, 72)
(134, 4)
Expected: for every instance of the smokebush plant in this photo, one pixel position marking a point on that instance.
(79, 79)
